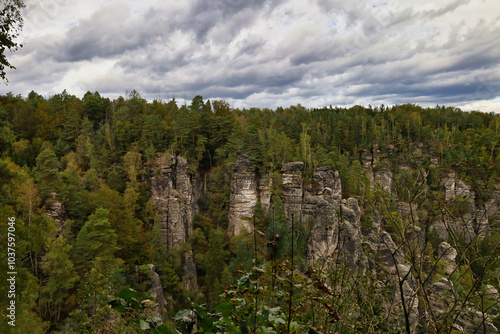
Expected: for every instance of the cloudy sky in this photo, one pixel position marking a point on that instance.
(265, 53)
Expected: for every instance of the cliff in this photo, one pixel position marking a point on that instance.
(316, 206)
(175, 194)
(394, 249)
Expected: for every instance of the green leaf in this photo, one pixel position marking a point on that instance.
(117, 306)
(275, 310)
(206, 324)
(127, 293)
(135, 304)
(244, 327)
(222, 308)
(164, 330)
(183, 315)
(144, 325)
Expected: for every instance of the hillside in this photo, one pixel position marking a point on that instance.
(373, 220)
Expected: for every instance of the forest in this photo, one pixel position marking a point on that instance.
(161, 217)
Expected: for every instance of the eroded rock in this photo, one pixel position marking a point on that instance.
(243, 197)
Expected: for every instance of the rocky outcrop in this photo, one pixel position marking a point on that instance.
(243, 197)
(468, 220)
(447, 254)
(383, 178)
(318, 209)
(293, 188)
(349, 235)
(386, 254)
(491, 292)
(264, 191)
(175, 194)
(315, 205)
(157, 293)
(455, 187)
(55, 210)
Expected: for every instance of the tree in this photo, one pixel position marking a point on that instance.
(57, 265)
(46, 172)
(95, 248)
(96, 239)
(11, 23)
(94, 107)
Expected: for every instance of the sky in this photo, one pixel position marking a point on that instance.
(265, 53)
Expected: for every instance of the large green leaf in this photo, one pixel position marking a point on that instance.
(144, 325)
(183, 315)
(126, 293)
(224, 308)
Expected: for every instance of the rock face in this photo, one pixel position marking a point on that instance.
(157, 292)
(475, 219)
(175, 195)
(334, 225)
(319, 206)
(349, 231)
(316, 205)
(55, 210)
(383, 178)
(293, 188)
(246, 190)
(447, 254)
(455, 187)
(243, 198)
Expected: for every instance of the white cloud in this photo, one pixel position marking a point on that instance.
(265, 53)
(485, 106)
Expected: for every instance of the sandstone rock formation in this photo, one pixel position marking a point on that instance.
(157, 293)
(55, 210)
(320, 211)
(175, 194)
(293, 188)
(316, 205)
(384, 178)
(447, 254)
(243, 198)
(455, 187)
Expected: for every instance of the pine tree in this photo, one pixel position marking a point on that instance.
(62, 277)
(46, 172)
(95, 239)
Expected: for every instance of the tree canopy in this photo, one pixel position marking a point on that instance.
(11, 24)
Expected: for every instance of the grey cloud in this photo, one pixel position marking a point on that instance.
(111, 31)
(220, 49)
(446, 9)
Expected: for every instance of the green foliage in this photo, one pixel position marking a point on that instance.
(11, 24)
(128, 305)
(46, 172)
(57, 265)
(95, 240)
(87, 157)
